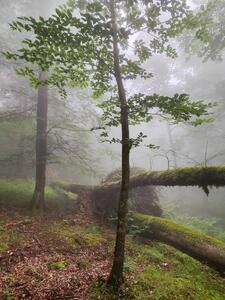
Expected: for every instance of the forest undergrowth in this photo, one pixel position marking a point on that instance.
(67, 254)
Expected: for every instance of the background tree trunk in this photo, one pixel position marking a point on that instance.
(116, 275)
(38, 200)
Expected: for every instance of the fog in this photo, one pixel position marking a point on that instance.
(76, 153)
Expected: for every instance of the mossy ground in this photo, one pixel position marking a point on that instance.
(159, 272)
(77, 235)
(62, 256)
(16, 194)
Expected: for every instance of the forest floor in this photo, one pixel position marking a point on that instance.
(66, 254)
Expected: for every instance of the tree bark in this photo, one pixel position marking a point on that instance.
(194, 243)
(197, 176)
(203, 177)
(38, 200)
(116, 276)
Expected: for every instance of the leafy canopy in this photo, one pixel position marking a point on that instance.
(75, 46)
(207, 31)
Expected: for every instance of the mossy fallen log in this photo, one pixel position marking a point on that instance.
(195, 176)
(194, 243)
(202, 177)
(104, 197)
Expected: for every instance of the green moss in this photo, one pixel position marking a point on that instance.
(211, 226)
(62, 184)
(157, 283)
(188, 171)
(9, 277)
(57, 265)
(3, 246)
(18, 193)
(195, 236)
(15, 193)
(158, 271)
(78, 235)
(196, 176)
(70, 195)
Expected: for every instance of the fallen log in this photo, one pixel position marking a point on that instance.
(104, 197)
(195, 176)
(191, 242)
(203, 177)
(194, 243)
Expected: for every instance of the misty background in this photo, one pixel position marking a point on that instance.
(76, 153)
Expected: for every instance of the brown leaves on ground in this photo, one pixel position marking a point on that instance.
(41, 263)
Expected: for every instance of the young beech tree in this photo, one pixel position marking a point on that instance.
(104, 44)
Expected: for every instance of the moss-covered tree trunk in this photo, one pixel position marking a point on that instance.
(195, 176)
(194, 243)
(116, 275)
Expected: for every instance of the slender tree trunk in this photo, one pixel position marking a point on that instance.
(171, 143)
(38, 200)
(116, 275)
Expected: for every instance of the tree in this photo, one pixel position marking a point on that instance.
(93, 49)
(209, 28)
(41, 84)
(41, 146)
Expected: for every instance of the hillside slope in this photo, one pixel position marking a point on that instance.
(66, 254)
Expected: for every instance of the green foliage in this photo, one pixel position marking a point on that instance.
(57, 265)
(78, 51)
(179, 108)
(209, 28)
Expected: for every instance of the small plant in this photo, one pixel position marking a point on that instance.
(9, 277)
(8, 296)
(57, 265)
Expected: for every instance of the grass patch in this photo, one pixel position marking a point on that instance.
(17, 194)
(78, 235)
